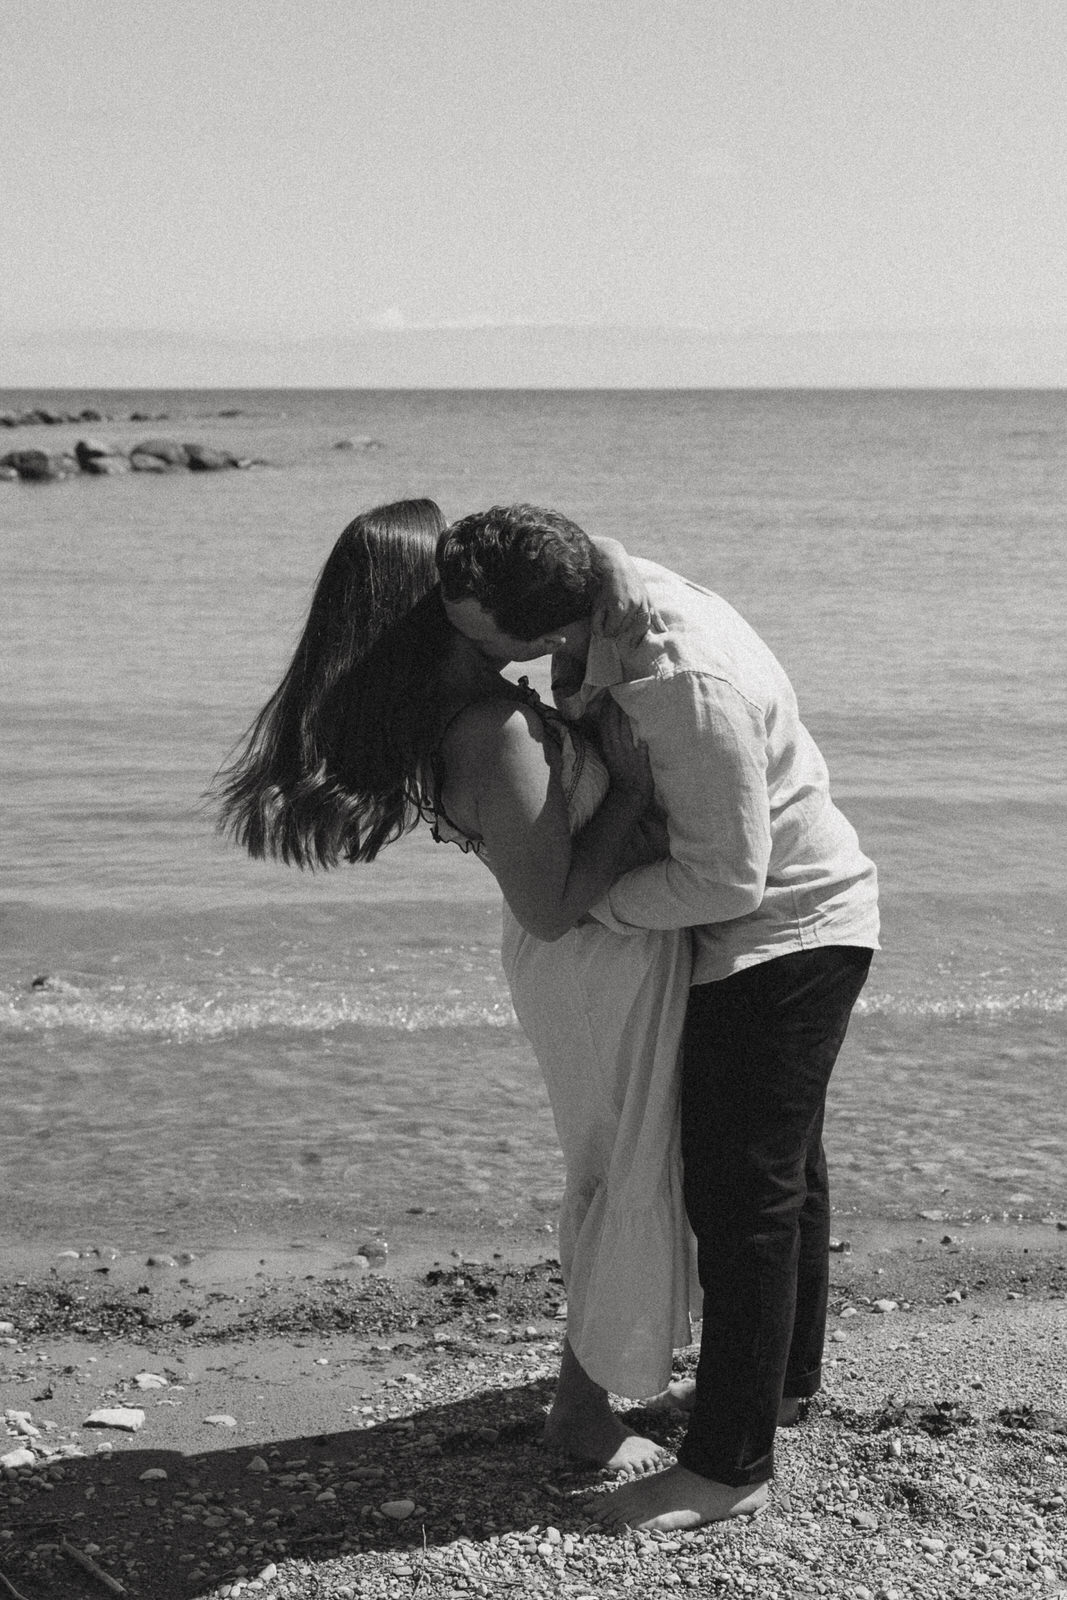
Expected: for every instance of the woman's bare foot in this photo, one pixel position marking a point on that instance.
(600, 1436)
(675, 1499)
(581, 1423)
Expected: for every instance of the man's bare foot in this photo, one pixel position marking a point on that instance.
(599, 1435)
(675, 1499)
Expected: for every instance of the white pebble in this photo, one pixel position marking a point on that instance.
(884, 1306)
(18, 1458)
(221, 1420)
(150, 1380)
(152, 1475)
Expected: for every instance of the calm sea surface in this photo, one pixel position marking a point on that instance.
(227, 1044)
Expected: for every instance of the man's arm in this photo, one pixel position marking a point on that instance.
(707, 747)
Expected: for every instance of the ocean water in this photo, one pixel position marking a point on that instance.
(227, 1045)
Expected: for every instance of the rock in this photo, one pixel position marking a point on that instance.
(161, 1261)
(375, 1252)
(9, 419)
(841, 1247)
(144, 463)
(106, 466)
(89, 415)
(163, 449)
(865, 1519)
(54, 985)
(7, 1327)
(8, 475)
(884, 1306)
(20, 1421)
(39, 466)
(257, 1464)
(203, 459)
(397, 1510)
(152, 1475)
(360, 442)
(221, 1420)
(89, 449)
(21, 1458)
(128, 1419)
(150, 1380)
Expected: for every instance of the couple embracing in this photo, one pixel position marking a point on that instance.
(688, 923)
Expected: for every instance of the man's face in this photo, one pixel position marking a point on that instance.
(470, 618)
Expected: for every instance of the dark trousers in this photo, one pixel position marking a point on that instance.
(758, 1051)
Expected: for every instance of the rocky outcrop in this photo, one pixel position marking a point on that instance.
(48, 416)
(98, 459)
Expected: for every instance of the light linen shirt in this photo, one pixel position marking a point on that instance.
(761, 861)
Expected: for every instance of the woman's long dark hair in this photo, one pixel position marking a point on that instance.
(334, 766)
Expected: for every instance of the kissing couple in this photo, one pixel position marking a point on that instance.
(688, 922)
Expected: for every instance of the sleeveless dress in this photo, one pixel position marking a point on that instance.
(603, 1013)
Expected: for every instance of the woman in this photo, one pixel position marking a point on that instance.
(387, 717)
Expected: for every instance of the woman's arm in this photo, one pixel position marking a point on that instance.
(501, 762)
(623, 610)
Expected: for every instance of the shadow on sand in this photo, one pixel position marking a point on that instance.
(474, 1469)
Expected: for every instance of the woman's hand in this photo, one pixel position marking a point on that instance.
(626, 761)
(623, 611)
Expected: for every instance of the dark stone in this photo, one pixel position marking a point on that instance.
(89, 415)
(203, 459)
(9, 419)
(362, 441)
(51, 417)
(148, 416)
(90, 449)
(39, 466)
(166, 449)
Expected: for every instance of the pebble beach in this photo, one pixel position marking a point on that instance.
(297, 1421)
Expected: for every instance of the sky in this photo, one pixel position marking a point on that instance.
(427, 192)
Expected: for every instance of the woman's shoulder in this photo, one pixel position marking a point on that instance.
(488, 725)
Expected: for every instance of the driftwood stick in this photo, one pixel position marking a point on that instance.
(9, 1588)
(88, 1565)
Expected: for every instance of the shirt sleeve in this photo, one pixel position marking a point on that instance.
(707, 747)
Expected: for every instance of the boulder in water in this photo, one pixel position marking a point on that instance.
(203, 459)
(164, 449)
(39, 466)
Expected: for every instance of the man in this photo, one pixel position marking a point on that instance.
(783, 907)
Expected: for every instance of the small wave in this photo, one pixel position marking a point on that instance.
(191, 1020)
(979, 1007)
